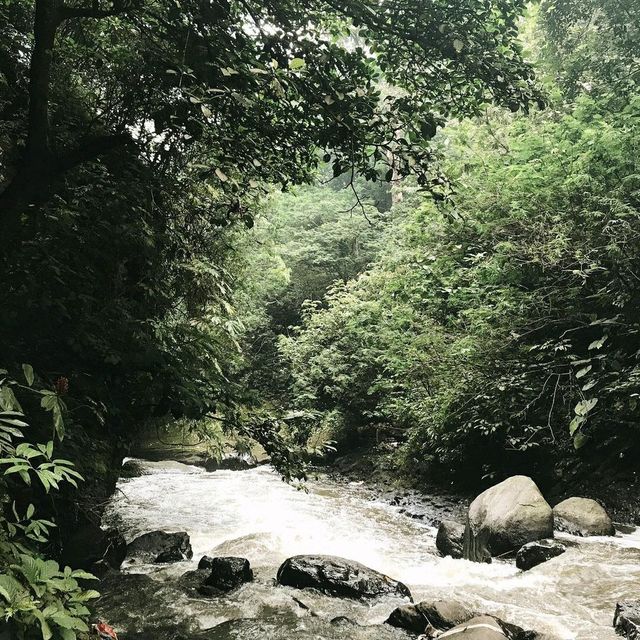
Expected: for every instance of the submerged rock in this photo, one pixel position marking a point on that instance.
(626, 619)
(140, 607)
(161, 546)
(505, 517)
(488, 628)
(338, 577)
(582, 517)
(306, 628)
(441, 615)
(534, 553)
(450, 538)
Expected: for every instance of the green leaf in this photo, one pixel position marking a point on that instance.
(583, 372)
(27, 369)
(296, 63)
(580, 440)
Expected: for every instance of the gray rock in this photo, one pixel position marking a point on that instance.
(479, 628)
(170, 555)
(450, 538)
(582, 517)
(626, 620)
(505, 517)
(440, 615)
(534, 553)
(488, 628)
(338, 577)
(445, 614)
(407, 617)
(155, 545)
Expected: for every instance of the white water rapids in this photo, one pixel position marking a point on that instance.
(255, 515)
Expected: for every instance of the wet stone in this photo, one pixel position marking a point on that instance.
(534, 553)
(338, 577)
(626, 619)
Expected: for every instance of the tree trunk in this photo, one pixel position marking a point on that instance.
(35, 171)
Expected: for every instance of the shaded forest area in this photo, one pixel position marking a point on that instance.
(410, 228)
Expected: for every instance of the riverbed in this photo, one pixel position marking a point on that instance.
(254, 514)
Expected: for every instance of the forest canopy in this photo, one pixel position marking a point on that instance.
(410, 228)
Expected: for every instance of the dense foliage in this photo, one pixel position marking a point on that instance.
(137, 138)
(498, 331)
(36, 592)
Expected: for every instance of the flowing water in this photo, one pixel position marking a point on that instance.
(255, 515)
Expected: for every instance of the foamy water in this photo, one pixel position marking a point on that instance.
(254, 514)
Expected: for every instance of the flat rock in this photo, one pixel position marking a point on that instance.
(582, 517)
(488, 628)
(439, 614)
(338, 577)
(534, 553)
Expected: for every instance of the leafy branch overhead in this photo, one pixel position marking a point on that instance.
(247, 92)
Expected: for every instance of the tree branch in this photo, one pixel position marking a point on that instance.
(90, 148)
(95, 11)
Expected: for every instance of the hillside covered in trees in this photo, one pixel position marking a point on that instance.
(406, 232)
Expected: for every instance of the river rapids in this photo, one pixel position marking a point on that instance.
(254, 514)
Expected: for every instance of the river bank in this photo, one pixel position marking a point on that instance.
(253, 514)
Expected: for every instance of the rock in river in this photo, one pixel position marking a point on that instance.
(441, 615)
(505, 517)
(534, 553)
(224, 574)
(487, 628)
(627, 619)
(338, 577)
(160, 546)
(582, 517)
(450, 538)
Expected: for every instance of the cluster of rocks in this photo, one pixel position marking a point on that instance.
(513, 518)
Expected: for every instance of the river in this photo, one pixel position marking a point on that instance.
(255, 515)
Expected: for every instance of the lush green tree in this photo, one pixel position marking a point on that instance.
(249, 89)
(498, 331)
(302, 243)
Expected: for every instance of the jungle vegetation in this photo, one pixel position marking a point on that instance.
(410, 222)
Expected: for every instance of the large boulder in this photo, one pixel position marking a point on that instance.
(161, 546)
(626, 620)
(450, 538)
(582, 517)
(534, 553)
(440, 615)
(338, 577)
(505, 517)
